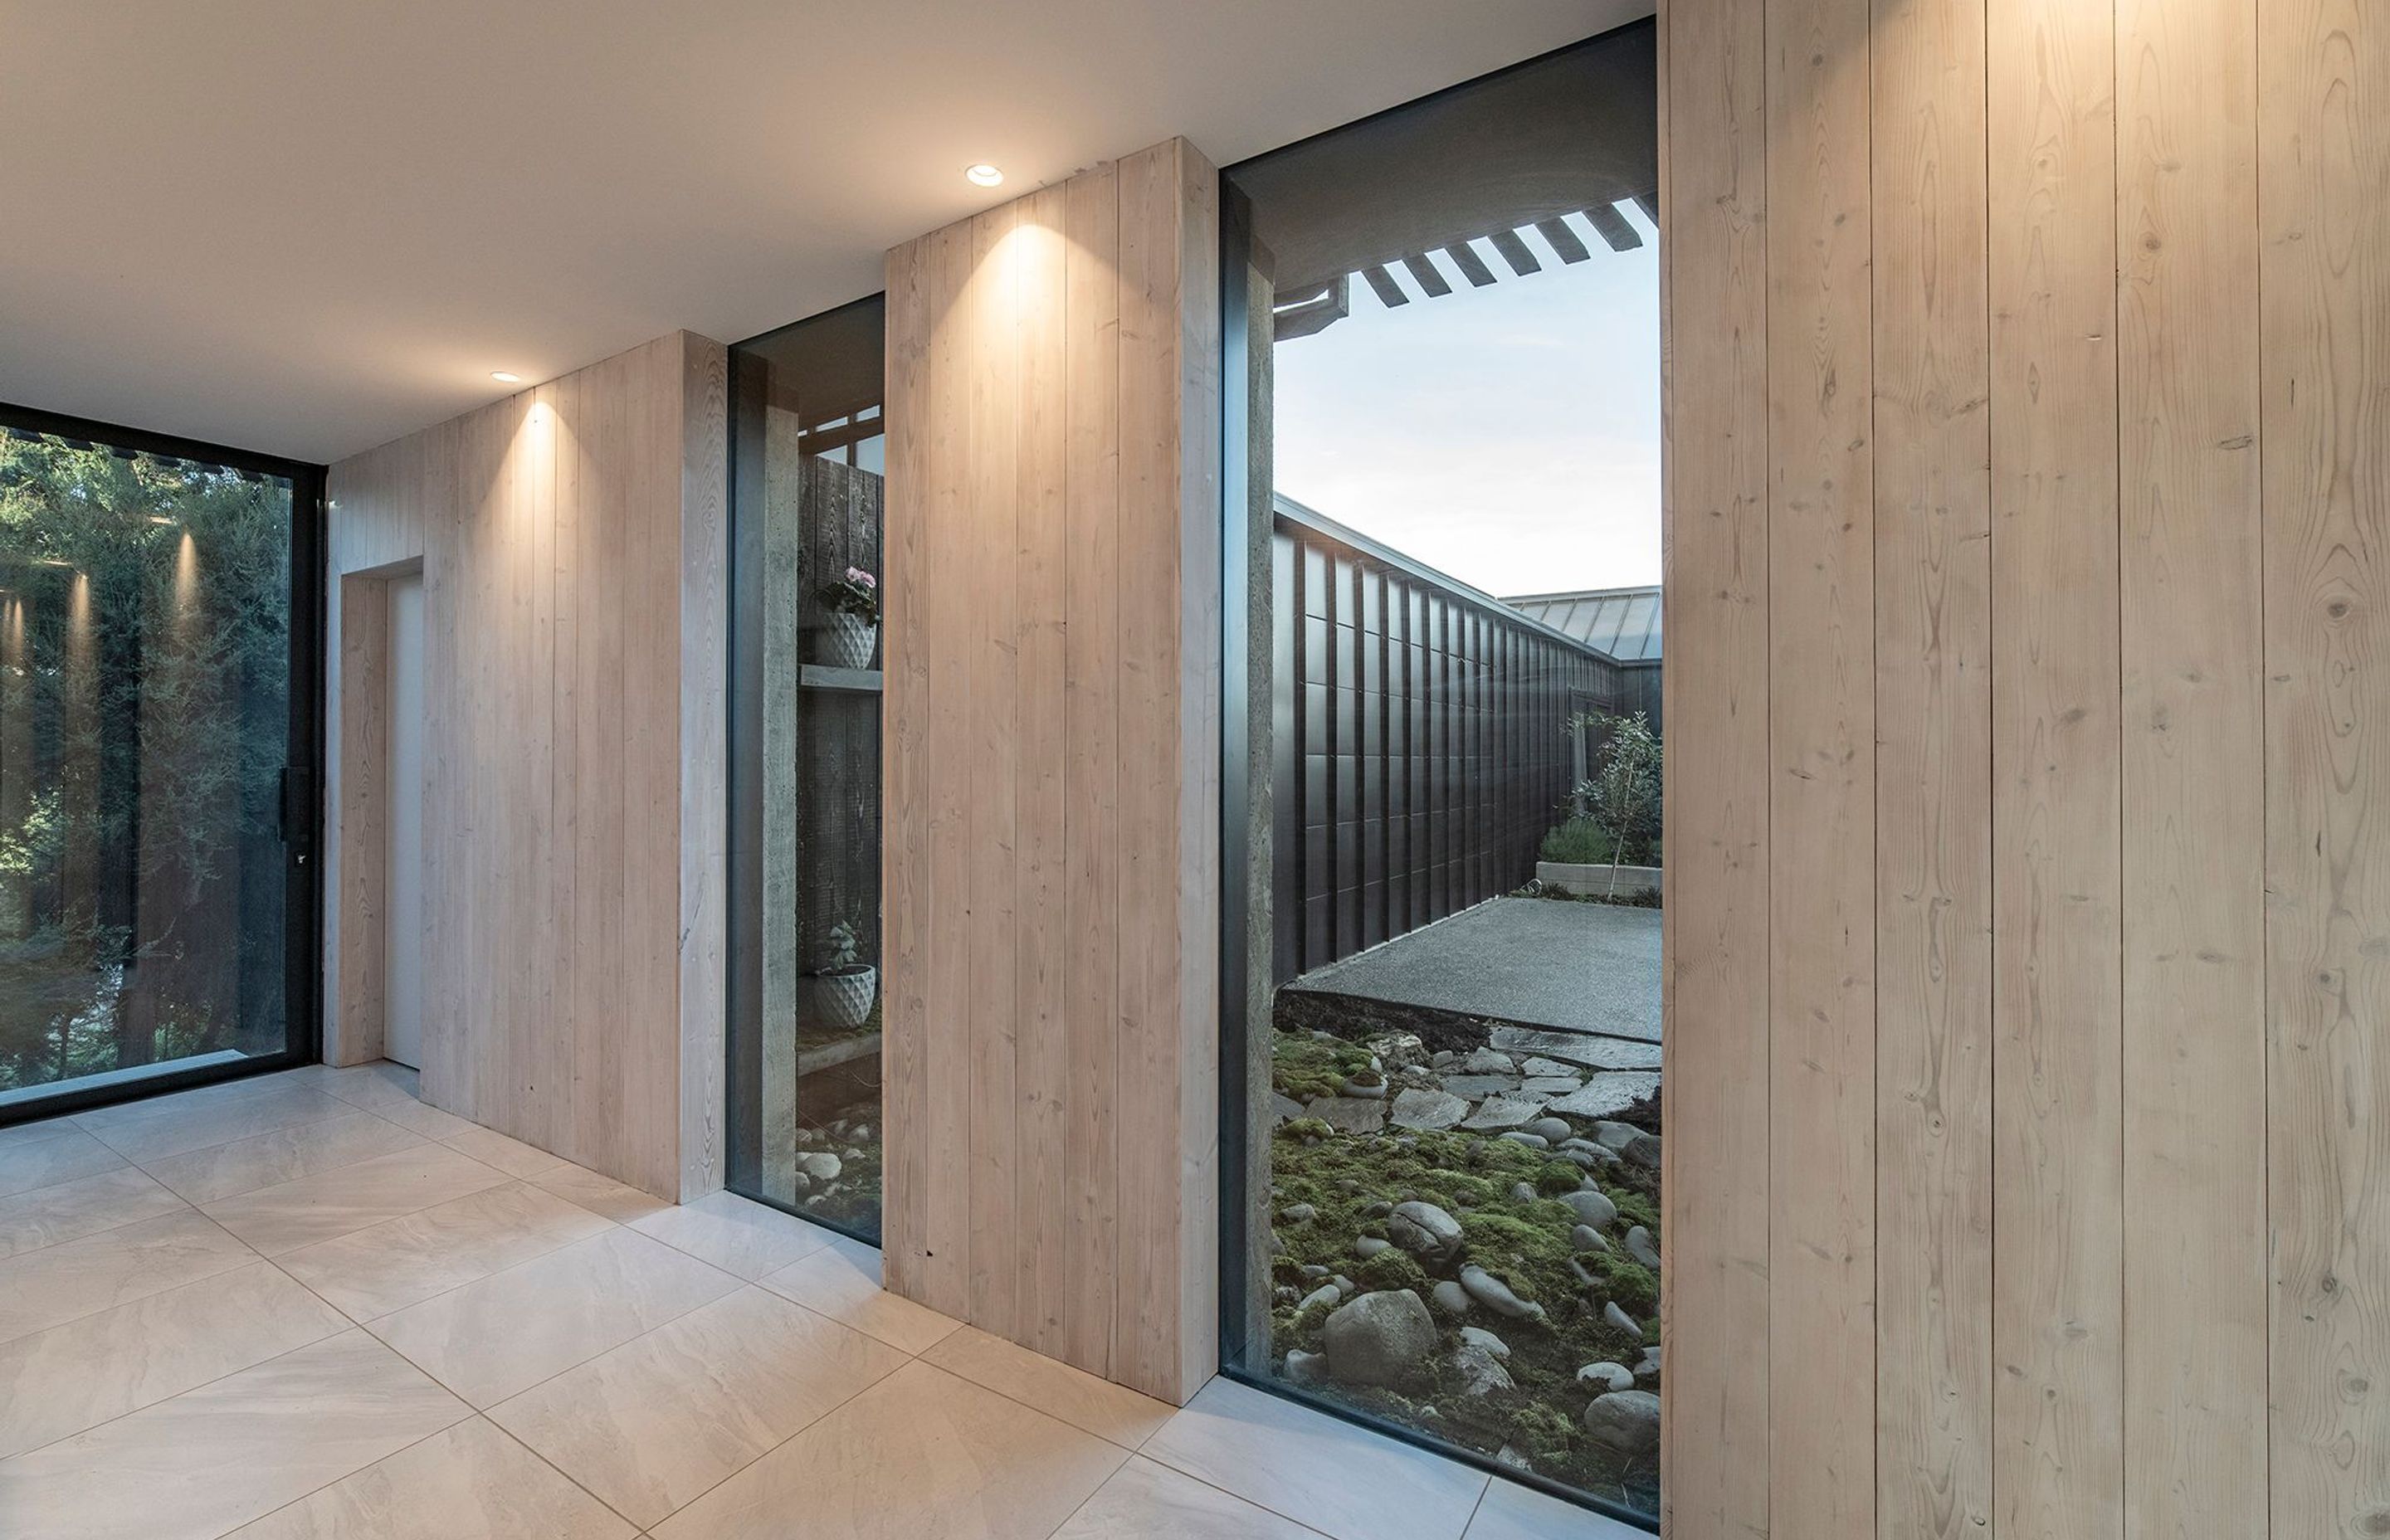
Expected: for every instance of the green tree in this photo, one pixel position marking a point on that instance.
(1622, 794)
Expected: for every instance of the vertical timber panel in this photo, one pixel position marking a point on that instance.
(1934, 809)
(2189, 570)
(2058, 1273)
(1716, 1303)
(2324, 81)
(1822, 730)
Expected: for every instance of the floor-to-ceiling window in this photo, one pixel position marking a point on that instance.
(807, 472)
(157, 744)
(1443, 819)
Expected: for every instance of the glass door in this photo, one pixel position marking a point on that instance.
(157, 658)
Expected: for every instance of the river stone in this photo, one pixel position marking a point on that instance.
(1615, 1135)
(1285, 1106)
(1520, 1192)
(1369, 1246)
(1644, 1151)
(1585, 1238)
(1615, 1313)
(1478, 1361)
(820, 1167)
(1590, 1207)
(1526, 1140)
(1550, 1130)
(1429, 1110)
(1380, 1339)
(1349, 1114)
(1426, 1231)
(1297, 1213)
(1326, 1293)
(1451, 1298)
(1495, 1295)
(1640, 1247)
(1610, 1092)
(1626, 1422)
(1502, 1112)
(1311, 1369)
(1608, 1376)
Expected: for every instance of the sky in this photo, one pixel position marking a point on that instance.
(1509, 436)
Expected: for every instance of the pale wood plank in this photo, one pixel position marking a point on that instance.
(2324, 81)
(907, 876)
(2058, 1277)
(703, 931)
(991, 312)
(1045, 945)
(2193, 758)
(1934, 797)
(1091, 729)
(363, 833)
(1716, 1239)
(1822, 730)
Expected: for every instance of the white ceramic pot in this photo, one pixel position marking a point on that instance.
(843, 996)
(849, 641)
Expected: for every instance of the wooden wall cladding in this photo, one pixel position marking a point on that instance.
(2028, 1048)
(571, 538)
(1052, 770)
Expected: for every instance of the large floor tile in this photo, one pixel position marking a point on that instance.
(87, 1206)
(146, 1130)
(469, 1483)
(213, 1458)
(493, 1148)
(921, 1453)
(1515, 1512)
(617, 1200)
(60, 1382)
(1154, 1502)
(1315, 1468)
(428, 1122)
(16, 1134)
(291, 1215)
(665, 1417)
(735, 1234)
(401, 1261)
(1109, 1411)
(80, 1277)
(63, 1156)
(379, 1083)
(502, 1335)
(284, 1155)
(841, 1281)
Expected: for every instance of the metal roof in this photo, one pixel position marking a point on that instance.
(1623, 623)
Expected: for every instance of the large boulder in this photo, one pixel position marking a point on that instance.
(1478, 1361)
(1426, 1231)
(1382, 1338)
(1625, 1422)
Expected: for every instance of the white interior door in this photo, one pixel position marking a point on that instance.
(403, 912)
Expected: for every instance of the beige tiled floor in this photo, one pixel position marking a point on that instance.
(307, 1308)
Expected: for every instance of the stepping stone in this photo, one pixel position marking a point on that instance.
(1499, 1112)
(1427, 1109)
(1475, 1087)
(1593, 1053)
(1552, 1086)
(1605, 1095)
(1350, 1115)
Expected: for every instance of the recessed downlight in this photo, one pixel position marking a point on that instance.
(505, 376)
(983, 175)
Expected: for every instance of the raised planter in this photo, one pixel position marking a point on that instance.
(1590, 879)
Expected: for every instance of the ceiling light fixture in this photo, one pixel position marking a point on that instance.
(983, 175)
(505, 376)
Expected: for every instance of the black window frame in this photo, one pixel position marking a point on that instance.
(302, 774)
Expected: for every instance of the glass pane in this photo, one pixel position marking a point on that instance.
(805, 1012)
(144, 712)
(1452, 1206)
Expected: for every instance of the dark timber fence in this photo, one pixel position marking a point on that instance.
(1421, 756)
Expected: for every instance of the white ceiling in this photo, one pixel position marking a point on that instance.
(308, 227)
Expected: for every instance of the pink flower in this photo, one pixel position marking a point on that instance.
(860, 578)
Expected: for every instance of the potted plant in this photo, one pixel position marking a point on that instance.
(851, 635)
(845, 989)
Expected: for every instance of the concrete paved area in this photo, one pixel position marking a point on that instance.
(1592, 967)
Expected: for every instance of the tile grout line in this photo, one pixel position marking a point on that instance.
(250, 1252)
